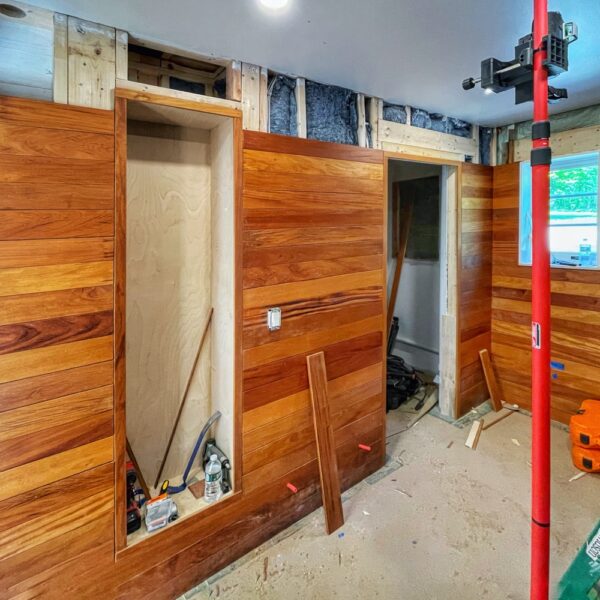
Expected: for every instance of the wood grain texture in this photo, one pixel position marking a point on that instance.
(56, 345)
(328, 469)
(474, 283)
(575, 302)
(55, 554)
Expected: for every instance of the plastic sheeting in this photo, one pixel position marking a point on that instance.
(394, 112)
(282, 105)
(485, 145)
(331, 114)
(437, 122)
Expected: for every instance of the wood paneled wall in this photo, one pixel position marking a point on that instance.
(56, 344)
(313, 224)
(575, 314)
(475, 280)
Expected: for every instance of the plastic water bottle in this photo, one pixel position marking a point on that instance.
(585, 253)
(213, 475)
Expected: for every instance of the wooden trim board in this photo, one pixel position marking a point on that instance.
(328, 470)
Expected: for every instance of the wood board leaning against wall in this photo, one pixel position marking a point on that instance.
(575, 305)
(320, 263)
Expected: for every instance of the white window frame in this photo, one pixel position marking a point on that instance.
(526, 167)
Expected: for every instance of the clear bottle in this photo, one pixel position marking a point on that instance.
(585, 253)
(213, 475)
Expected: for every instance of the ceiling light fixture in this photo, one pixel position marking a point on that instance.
(274, 4)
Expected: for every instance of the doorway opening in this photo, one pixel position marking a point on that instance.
(421, 321)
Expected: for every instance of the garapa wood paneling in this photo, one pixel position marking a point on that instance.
(575, 305)
(474, 283)
(313, 223)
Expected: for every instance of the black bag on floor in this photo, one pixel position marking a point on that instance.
(402, 380)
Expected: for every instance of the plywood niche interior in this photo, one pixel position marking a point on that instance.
(180, 263)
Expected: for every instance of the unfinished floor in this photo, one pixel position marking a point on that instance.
(439, 521)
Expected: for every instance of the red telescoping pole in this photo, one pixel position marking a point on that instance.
(540, 316)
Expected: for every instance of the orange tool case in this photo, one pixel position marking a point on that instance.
(585, 436)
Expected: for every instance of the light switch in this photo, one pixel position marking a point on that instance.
(274, 319)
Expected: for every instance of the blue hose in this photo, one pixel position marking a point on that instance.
(179, 488)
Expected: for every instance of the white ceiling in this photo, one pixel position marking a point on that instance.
(410, 51)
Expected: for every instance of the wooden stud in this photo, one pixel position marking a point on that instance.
(251, 96)
(361, 131)
(91, 57)
(375, 116)
(263, 100)
(121, 56)
(233, 82)
(328, 470)
(490, 380)
(300, 92)
(60, 82)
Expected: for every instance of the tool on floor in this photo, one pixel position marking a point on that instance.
(585, 437)
(539, 55)
(212, 448)
(134, 514)
(326, 454)
(179, 488)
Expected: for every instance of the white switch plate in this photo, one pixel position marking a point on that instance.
(274, 319)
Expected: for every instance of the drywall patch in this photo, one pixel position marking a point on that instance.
(485, 145)
(394, 112)
(282, 105)
(437, 122)
(331, 114)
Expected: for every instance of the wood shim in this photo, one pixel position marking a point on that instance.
(497, 417)
(473, 437)
(490, 380)
(328, 470)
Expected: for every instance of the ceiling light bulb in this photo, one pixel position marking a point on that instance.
(274, 4)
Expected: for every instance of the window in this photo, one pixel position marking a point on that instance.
(573, 211)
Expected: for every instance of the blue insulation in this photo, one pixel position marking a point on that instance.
(282, 105)
(437, 122)
(331, 114)
(485, 145)
(394, 112)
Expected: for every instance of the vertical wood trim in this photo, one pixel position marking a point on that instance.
(300, 92)
(238, 306)
(328, 469)
(119, 323)
(384, 297)
(264, 100)
(408, 114)
(233, 80)
(60, 83)
(121, 56)
(251, 96)
(454, 299)
(361, 132)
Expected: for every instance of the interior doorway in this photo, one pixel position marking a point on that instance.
(421, 290)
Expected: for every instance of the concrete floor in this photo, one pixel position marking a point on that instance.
(440, 521)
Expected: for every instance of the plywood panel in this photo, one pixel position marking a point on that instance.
(168, 290)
